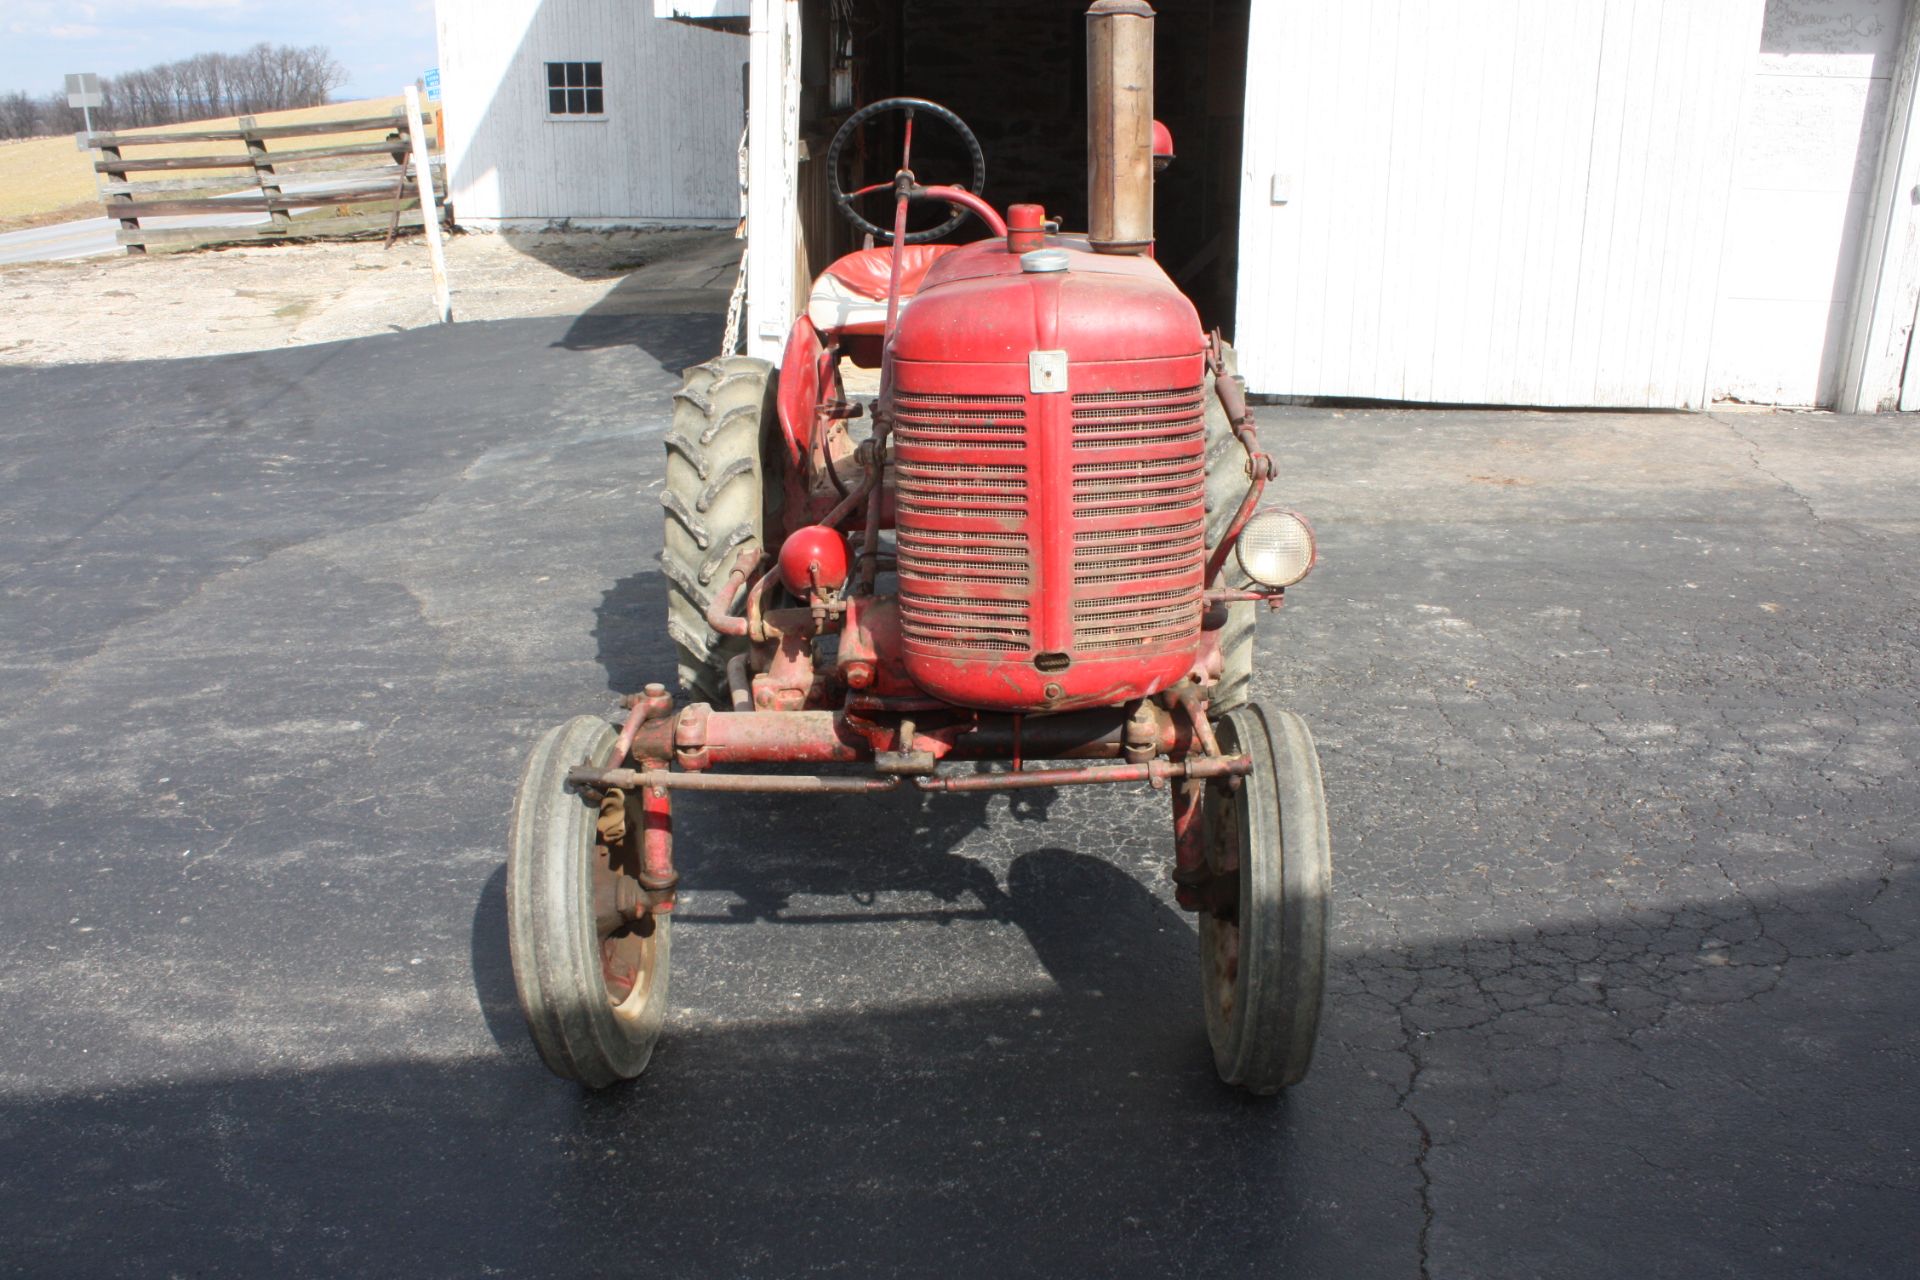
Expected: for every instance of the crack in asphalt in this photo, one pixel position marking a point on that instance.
(1425, 1241)
(1753, 456)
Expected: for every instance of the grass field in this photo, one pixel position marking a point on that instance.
(47, 180)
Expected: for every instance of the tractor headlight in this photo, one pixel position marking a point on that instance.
(1276, 548)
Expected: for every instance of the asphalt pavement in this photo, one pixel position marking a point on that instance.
(1618, 722)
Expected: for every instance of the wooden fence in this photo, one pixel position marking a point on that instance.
(345, 188)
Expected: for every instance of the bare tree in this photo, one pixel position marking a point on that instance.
(206, 86)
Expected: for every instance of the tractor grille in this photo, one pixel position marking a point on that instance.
(1137, 488)
(977, 543)
(1105, 419)
(961, 422)
(1123, 556)
(966, 568)
(1139, 515)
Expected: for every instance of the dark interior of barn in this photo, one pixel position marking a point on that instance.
(1016, 72)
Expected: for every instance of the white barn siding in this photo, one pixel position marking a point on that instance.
(1506, 203)
(1815, 121)
(664, 154)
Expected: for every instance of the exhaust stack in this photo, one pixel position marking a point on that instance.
(1120, 126)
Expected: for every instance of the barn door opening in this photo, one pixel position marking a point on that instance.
(1015, 70)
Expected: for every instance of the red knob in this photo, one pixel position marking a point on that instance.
(814, 556)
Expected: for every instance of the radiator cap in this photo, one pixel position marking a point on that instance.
(1044, 260)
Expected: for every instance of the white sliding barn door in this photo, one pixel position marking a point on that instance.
(1488, 201)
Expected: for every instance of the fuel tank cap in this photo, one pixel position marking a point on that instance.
(1044, 260)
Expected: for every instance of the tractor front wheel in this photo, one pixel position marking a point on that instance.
(592, 984)
(1263, 940)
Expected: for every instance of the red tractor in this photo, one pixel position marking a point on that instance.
(1036, 563)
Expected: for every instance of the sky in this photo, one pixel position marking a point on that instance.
(383, 44)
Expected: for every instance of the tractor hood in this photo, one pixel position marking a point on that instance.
(980, 305)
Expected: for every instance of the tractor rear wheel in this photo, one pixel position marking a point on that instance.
(594, 991)
(1227, 485)
(1263, 943)
(721, 496)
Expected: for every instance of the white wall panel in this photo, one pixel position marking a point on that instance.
(1489, 201)
(665, 152)
(1815, 121)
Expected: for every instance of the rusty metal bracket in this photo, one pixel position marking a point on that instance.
(904, 762)
(1260, 465)
(1192, 699)
(784, 783)
(1157, 773)
(690, 737)
(1141, 740)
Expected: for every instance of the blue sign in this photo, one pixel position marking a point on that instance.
(433, 84)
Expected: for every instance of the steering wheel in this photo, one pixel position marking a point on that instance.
(843, 199)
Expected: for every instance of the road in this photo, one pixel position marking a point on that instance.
(1618, 721)
(92, 237)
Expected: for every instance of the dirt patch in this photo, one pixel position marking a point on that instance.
(260, 297)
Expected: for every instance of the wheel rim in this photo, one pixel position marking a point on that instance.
(627, 968)
(1226, 836)
(627, 950)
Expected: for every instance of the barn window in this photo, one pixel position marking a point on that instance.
(575, 89)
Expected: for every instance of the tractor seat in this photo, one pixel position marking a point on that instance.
(850, 297)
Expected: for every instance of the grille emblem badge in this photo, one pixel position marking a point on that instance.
(1047, 372)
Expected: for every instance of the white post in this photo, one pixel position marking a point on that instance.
(773, 161)
(429, 209)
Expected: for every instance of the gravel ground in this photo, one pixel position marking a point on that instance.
(168, 306)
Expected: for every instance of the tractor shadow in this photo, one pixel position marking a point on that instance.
(1075, 1130)
(630, 634)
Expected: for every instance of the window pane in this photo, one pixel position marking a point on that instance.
(556, 102)
(596, 102)
(593, 75)
(576, 102)
(576, 74)
(556, 76)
